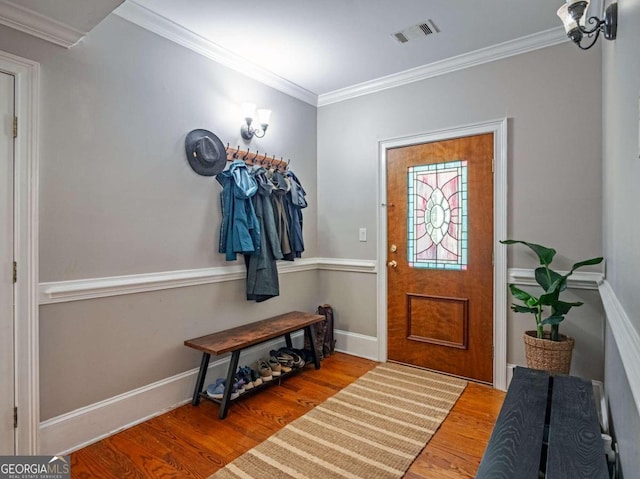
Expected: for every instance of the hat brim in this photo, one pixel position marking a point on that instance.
(205, 166)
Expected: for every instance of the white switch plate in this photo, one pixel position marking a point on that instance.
(363, 234)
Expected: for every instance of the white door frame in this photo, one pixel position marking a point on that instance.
(499, 130)
(27, 75)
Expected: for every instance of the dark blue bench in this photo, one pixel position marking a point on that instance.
(548, 427)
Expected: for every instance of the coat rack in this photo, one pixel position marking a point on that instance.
(257, 158)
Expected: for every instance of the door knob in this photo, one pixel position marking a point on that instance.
(393, 263)
(393, 248)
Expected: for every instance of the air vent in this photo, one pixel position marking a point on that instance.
(413, 32)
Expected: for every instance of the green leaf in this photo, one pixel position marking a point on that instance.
(587, 262)
(523, 309)
(558, 285)
(549, 299)
(522, 295)
(553, 320)
(545, 255)
(563, 307)
(543, 275)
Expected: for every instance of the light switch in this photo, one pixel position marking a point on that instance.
(363, 234)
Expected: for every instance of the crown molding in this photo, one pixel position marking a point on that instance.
(149, 20)
(525, 44)
(28, 21)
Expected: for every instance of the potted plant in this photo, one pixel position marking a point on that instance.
(546, 348)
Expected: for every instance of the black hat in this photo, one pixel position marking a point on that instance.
(205, 152)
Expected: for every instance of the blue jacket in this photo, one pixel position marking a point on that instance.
(240, 230)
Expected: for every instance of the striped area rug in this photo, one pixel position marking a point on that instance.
(372, 429)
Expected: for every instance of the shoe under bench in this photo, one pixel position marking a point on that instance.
(242, 337)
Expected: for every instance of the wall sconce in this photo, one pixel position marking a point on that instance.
(573, 18)
(249, 113)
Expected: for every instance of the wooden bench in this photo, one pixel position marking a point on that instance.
(236, 339)
(548, 427)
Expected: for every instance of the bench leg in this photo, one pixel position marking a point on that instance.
(287, 338)
(228, 386)
(204, 364)
(311, 332)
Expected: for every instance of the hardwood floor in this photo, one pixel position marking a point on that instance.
(191, 442)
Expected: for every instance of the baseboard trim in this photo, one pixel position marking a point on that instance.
(356, 344)
(74, 430)
(626, 337)
(91, 288)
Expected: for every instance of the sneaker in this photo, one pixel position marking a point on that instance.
(255, 377)
(263, 368)
(276, 369)
(216, 390)
(297, 361)
(285, 360)
(238, 384)
(244, 374)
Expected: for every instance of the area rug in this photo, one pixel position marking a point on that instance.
(372, 429)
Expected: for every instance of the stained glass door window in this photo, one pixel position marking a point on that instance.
(437, 216)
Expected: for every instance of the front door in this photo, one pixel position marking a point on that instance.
(440, 256)
(7, 380)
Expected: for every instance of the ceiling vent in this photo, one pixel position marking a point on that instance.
(420, 30)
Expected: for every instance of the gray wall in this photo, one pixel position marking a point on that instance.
(554, 169)
(621, 91)
(118, 197)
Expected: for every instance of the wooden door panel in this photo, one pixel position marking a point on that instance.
(440, 295)
(437, 320)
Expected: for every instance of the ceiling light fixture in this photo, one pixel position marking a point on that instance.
(249, 113)
(575, 22)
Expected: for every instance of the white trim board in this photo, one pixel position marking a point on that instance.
(28, 21)
(518, 46)
(626, 336)
(76, 429)
(76, 290)
(149, 20)
(499, 130)
(578, 280)
(27, 90)
(356, 344)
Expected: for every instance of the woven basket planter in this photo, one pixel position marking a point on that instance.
(552, 356)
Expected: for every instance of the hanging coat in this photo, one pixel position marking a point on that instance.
(297, 201)
(281, 212)
(262, 270)
(240, 231)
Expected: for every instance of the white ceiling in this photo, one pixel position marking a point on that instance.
(327, 45)
(317, 50)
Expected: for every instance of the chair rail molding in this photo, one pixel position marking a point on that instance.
(626, 336)
(80, 289)
(578, 280)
